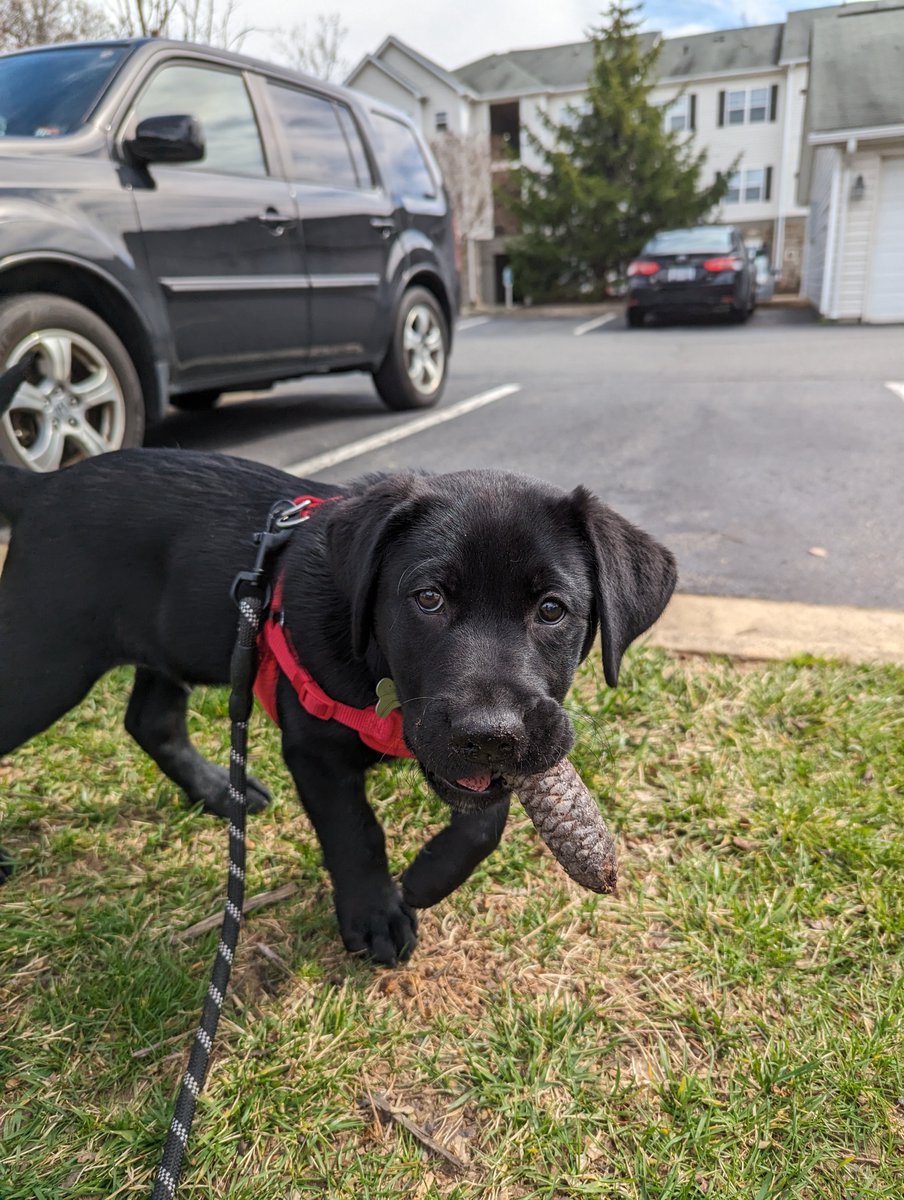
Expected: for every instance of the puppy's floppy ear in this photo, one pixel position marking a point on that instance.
(635, 577)
(360, 529)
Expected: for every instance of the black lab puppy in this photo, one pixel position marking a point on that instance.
(478, 593)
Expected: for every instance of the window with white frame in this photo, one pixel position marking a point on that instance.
(754, 184)
(736, 107)
(677, 115)
(441, 121)
(759, 105)
(749, 186)
(756, 105)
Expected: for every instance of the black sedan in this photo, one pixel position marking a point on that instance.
(687, 271)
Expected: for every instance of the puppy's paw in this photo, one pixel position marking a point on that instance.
(218, 802)
(378, 925)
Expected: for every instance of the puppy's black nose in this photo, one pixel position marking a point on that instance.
(491, 739)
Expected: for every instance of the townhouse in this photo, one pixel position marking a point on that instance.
(740, 94)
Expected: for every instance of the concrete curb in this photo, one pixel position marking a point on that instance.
(770, 629)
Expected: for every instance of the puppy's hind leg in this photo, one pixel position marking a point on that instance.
(156, 719)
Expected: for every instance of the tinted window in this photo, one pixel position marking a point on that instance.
(220, 101)
(47, 93)
(356, 146)
(319, 148)
(402, 159)
(703, 240)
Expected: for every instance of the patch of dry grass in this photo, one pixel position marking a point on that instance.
(730, 1025)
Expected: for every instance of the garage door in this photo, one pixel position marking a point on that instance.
(886, 290)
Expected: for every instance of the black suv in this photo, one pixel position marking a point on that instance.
(177, 221)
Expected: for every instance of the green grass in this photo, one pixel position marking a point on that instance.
(730, 1026)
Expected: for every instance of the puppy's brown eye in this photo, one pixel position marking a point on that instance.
(428, 600)
(552, 611)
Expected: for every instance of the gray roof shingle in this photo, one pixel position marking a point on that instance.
(800, 23)
(568, 66)
(855, 72)
(722, 50)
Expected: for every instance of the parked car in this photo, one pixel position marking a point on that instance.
(177, 221)
(705, 269)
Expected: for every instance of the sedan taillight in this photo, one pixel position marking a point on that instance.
(718, 265)
(642, 266)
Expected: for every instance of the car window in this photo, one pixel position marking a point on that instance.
(317, 141)
(220, 101)
(48, 93)
(705, 239)
(356, 146)
(403, 159)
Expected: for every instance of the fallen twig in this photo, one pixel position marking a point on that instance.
(381, 1106)
(258, 901)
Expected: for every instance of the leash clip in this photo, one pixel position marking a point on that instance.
(283, 517)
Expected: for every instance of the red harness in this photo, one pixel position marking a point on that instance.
(278, 656)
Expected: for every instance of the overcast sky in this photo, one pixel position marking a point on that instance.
(453, 32)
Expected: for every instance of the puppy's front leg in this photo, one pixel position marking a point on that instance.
(449, 858)
(374, 920)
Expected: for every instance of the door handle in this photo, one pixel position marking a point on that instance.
(275, 221)
(386, 225)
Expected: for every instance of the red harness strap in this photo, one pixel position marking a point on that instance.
(277, 656)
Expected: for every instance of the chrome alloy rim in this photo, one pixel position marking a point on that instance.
(425, 353)
(74, 409)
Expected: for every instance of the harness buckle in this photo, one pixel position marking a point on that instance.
(281, 520)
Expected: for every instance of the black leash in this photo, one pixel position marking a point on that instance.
(251, 592)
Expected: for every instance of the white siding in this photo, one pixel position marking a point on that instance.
(756, 145)
(857, 222)
(818, 224)
(440, 97)
(884, 300)
(377, 84)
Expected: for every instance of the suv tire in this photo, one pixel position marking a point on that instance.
(59, 415)
(413, 373)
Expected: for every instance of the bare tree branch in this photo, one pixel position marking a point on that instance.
(39, 22)
(315, 49)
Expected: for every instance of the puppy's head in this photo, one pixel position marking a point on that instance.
(482, 591)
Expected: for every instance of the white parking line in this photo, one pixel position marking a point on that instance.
(897, 388)
(471, 323)
(594, 324)
(320, 462)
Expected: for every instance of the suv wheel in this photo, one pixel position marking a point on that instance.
(82, 395)
(413, 373)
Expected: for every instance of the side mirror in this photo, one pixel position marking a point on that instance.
(173, 139)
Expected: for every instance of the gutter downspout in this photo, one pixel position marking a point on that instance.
(828, 268)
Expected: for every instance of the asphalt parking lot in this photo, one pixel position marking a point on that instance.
(768, 457)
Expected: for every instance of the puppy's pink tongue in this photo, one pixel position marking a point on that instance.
(476, 783)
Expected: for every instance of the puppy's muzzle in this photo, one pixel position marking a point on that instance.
(490, 739)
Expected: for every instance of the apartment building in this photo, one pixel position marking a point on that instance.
(740, 94)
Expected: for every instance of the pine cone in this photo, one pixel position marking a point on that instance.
(569, 822)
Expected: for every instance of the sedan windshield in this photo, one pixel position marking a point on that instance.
(705, 239)
(48, 93)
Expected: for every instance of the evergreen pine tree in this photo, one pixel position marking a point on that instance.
(611, 175)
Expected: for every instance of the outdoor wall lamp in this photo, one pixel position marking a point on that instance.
(858, 188)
